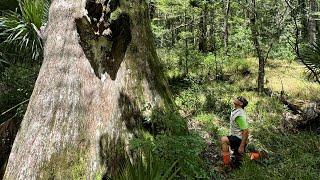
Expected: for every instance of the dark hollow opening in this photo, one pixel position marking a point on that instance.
(103, 40)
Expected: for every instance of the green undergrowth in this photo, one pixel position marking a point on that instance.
(292, 156)
(185, 150)
(171, 143)
(147, 166)
(204, 99)
(15, 89)
(204, 96)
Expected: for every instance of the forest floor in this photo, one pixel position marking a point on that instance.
(206, 104)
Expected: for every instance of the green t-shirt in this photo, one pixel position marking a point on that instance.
(238, 122)
(242, 122)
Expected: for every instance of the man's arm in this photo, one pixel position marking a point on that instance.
(245, 135)
(242, 123)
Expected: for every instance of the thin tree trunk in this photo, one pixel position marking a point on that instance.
(302, 8)
(312, 23)
(173, 36)
(186, 43)
(165, 22)
(259, 52)
(88, 97)
(203, 29)
(226, 26)
(193, 31)
(186, 58)
(212, 42)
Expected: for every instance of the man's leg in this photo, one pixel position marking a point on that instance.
(225, 150)
(234, 147)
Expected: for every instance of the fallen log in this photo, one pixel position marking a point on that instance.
(306, 115)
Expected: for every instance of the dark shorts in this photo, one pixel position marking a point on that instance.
(234, 143)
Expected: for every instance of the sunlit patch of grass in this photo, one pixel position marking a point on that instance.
(289, 76)
(292, 79)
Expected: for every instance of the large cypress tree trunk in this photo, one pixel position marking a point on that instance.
(95, 79)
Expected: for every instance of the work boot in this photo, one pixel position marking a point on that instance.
(254, 156)
(226, 159)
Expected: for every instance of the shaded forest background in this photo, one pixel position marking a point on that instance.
(211, 51)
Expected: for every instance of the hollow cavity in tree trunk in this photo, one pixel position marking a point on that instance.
(104, 40)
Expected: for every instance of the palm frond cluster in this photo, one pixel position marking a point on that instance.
(311, 57)
(147, 167)
(21, 52)
(19, 31)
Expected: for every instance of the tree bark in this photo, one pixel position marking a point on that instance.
(203, 29)
(302, 8)
(259, 52)
(186, 72)
(312, 23)
(226, 26)
(212, 32)
(170, 26)
(193, 31)
(95, 80)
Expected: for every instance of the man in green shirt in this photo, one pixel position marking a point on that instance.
(238, 138)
